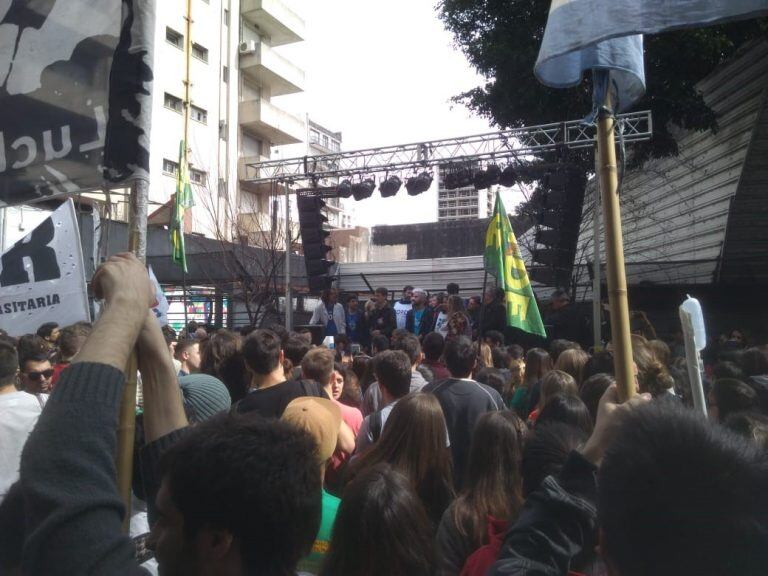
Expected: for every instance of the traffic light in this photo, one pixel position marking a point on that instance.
(313, 235)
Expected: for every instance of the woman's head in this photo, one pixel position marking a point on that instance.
(220, 356)
(567, 410)
(537, 364)
(351, 394)
(572, 361)
(554, 383)
(546, 449)
(455, 304)
(414, 442)
(592, 390)
(652, 376)
(381, 528)
(728, 396)
(494, 484)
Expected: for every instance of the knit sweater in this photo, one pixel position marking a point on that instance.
(72, 507)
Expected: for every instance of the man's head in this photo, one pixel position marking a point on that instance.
(452, 288)
(494, 338)
(412, 348)
(72, 339)
(559, 299)
(49, 332)
(9, 365)
(419, 297)
(317, 365)
(677, 495)
(460, 357)
(321, 418)
(433, 346)
(393, 372)
(36, 372)
(407, 293)
(380, 296)
(240, 494)
(352, 303)
(295, 348)
(188, 353)
(492, 294)
(262, 352)
(329, 296)
(379, 343)
(473, 303)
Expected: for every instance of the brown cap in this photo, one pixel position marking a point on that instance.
(321, 418)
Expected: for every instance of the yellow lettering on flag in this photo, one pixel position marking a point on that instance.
(517, 304)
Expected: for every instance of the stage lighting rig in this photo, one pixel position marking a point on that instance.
(417, 184)
(390, 186)
(364, 189)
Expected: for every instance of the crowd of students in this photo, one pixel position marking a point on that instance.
(258, 453)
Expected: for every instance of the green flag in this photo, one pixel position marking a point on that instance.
(503, 260)
(182, 200)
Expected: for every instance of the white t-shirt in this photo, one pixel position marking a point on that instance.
(19, 412)
(401, 313)
(441, 324)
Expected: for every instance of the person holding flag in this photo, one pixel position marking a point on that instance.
(504, 262)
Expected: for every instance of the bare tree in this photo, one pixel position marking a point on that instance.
(251, 239)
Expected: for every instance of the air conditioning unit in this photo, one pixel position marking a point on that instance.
(248, 47)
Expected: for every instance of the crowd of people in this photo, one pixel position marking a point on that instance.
(421, 443)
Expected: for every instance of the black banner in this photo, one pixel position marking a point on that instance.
(75, 95)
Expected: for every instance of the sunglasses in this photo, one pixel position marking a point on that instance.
(38, 375)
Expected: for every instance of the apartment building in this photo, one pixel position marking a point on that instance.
(322, 141)
(463, 203)
(237, 76)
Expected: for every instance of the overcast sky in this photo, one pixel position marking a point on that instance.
(383, 73)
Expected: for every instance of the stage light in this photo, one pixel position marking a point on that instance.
(344, 189)
(492, 174)
(390, 186)
(364, 189)
(418, 184)
(508, 176)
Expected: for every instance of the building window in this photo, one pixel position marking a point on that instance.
(170, 167)
(175, 38)
(173, 103)
(325, 141)
(335, 145)
(197, 176)
(199, 52)
(198, 114)
(314, 137)
(225, 74)
(226, 17)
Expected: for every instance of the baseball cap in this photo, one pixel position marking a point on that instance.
(321, 418)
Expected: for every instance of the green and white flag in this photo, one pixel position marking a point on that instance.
(181, 202)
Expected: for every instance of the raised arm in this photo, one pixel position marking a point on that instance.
(73, 511)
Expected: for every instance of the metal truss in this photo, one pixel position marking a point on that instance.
(514, 144)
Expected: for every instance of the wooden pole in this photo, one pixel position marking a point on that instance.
(614, 254)
(596, 305)
(137, 243)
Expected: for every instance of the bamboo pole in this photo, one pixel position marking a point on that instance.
(596, 305)
(137, 243)
(614, 254)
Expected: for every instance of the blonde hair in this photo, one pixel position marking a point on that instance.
(557, 382)
(573, 361)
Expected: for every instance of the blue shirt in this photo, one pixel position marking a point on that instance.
(417, 314)
(354, 320)
(330, 328)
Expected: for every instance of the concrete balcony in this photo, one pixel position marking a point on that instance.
(271, 123)
(274, 19)
(270, 70)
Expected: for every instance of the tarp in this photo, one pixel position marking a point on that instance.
(75, 95)
(42, 277)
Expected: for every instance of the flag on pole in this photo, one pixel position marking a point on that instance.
(503, 260)
(607, 35)
(181, 201)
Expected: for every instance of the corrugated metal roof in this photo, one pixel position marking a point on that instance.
(675, 210)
